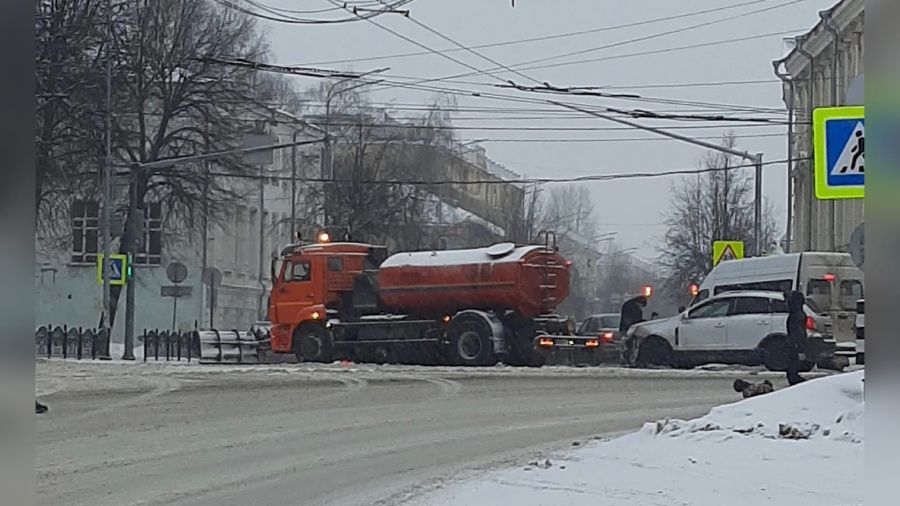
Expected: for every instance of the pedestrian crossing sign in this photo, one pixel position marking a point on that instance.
(118, 265)
(727, 250)
(840, 146)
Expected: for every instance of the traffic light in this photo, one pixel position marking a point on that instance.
(647, 291)
(128, 267)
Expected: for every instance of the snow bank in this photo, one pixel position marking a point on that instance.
(801, 446)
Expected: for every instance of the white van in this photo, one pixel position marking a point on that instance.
(830, 280)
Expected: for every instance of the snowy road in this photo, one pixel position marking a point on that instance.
(298, 435)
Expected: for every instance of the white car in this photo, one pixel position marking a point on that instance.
(747, 327)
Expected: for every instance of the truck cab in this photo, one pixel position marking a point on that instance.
(311, 280)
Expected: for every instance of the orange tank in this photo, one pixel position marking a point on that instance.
(530, 280)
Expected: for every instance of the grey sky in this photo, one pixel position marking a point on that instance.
(640, 205)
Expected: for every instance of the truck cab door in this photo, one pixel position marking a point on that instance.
(297, 289)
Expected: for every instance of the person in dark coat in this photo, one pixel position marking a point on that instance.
(796, 332)
(632, 312)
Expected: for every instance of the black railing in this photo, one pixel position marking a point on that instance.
(71, 342)
(168, 346)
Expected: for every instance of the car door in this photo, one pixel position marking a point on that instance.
(704, 326)
(749, 322)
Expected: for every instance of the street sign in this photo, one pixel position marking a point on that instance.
(176, 272)
(857, 245)
(118, 267)
(176, 291)
(840, 146)
(727, 250)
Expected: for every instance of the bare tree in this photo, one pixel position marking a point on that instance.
(569, 210)
(716, 205)
(68, 90)
(170, 101)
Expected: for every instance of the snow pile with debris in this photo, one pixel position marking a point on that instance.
(802, 445)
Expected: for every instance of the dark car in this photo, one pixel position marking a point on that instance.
(604, 326)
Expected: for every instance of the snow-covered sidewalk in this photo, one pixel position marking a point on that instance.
(802, 445)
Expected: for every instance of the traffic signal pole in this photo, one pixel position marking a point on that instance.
(756, 159)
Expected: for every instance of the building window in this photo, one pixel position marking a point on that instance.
(85, 231)
(150, 247)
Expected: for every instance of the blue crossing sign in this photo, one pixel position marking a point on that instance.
(840, 147)
(118, 269)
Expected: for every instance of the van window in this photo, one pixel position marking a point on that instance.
(701, 296)
(851, 291)
(819, 291)
(782, 285)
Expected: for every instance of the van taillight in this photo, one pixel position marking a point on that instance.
(810, 323)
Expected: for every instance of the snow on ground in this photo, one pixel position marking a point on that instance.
(802, 445)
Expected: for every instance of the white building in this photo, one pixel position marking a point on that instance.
(66, 275)
(817, 71)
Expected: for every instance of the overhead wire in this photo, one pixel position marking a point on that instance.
(526, 180)
(549, 37)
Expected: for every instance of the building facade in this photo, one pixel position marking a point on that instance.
(66, 280)
(817, 71)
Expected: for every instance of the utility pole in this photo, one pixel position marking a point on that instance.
(294, 186)
(790, 92)
(756, 159)
(134, 232)
(262, 243)
(107, 181)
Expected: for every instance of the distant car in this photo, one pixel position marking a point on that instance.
(605, 326)
(747, 327)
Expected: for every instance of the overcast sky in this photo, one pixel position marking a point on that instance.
(639, 205)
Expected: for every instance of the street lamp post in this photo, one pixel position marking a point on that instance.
(756, 159)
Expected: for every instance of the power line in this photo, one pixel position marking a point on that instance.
(276, 16)
(428, 48)
(635, 54)
(659, 34)
(548, 37)
(439, 182)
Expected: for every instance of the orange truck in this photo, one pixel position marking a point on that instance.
(474, 307)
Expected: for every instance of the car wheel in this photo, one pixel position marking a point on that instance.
(655, 351)
(776, 354)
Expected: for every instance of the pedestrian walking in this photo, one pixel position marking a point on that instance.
(796, 335)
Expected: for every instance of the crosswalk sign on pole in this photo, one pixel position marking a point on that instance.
(840, 152)
(727, 250)
(118, 267)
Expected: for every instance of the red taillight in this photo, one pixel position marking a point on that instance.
(607, 337)
(545, 342)
(829, 277)
(591, 343)
(810, 323)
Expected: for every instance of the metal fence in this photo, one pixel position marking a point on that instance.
(168, 346)
(70, 342)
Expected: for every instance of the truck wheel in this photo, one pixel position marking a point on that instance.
(655, 351)
(313, 343)
(470, 343)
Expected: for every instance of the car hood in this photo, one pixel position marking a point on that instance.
(663, 328)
